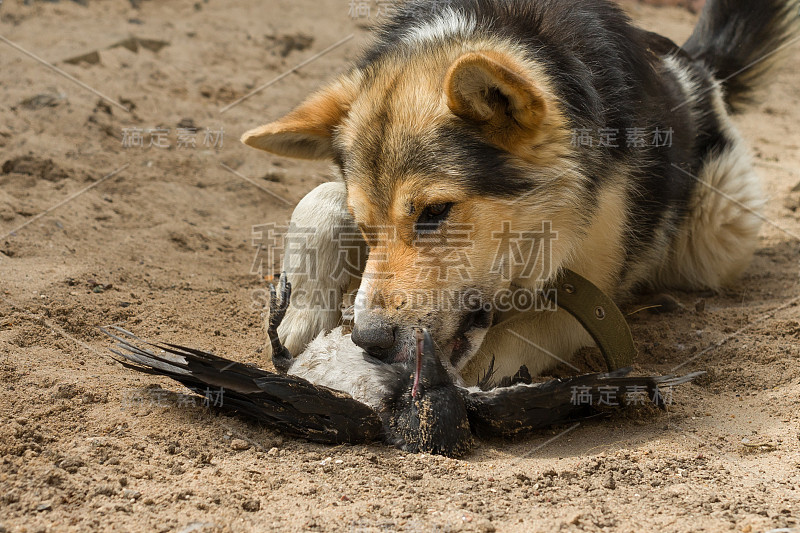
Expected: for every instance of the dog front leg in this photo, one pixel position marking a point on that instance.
(324, 256)
(538, 340)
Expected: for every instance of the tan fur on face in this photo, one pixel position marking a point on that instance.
(411, 276)
(402, 100)
(542, 340)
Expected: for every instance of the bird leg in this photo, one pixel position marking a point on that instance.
(281, 358)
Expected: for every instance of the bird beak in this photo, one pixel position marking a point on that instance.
(424, 349)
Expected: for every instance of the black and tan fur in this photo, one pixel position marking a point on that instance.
(464, 116)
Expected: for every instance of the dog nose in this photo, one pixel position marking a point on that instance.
(375, 336)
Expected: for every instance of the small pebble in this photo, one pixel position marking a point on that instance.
(240, 444)
(105, 490)
(187, 123)
(70, 464)
(40, 101)
(130, 494)
(700, 306)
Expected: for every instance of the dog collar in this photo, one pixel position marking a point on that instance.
(598, 314)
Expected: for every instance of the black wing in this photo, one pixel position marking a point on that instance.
(288, 404)
(519, 409)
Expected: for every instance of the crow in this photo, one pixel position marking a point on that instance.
(335, 393)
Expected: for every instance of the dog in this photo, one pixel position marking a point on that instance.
(482, 146)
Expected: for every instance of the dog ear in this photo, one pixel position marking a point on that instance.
(494, 92)
(306, 131)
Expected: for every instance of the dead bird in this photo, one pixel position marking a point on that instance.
(335, 392)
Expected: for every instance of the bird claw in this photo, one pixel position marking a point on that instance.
(281, 358)
(277, 309)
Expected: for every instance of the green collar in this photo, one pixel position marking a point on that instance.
(598, 314)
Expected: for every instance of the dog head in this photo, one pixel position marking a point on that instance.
(456, 161)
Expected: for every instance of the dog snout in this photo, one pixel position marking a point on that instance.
(376, 335)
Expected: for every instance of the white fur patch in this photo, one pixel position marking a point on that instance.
(718, 239)
(449, 23)
(360, 304)
(687, 79)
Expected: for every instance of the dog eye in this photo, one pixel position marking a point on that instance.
(432, 217)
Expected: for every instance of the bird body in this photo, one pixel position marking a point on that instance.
(333, 360)
(335, 392)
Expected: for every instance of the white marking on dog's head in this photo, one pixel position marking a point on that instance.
(449, 23)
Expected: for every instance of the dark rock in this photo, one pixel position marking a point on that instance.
(251, 506)
(34, 166)
(70, 464)
(700, 306)
(92, 58)
(154, 45)
(134, 43)
(130, 494)
(67, 391)
(40, 101)
(286, 44)
(105, 490)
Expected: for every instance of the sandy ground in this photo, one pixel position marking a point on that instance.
(164, 247)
